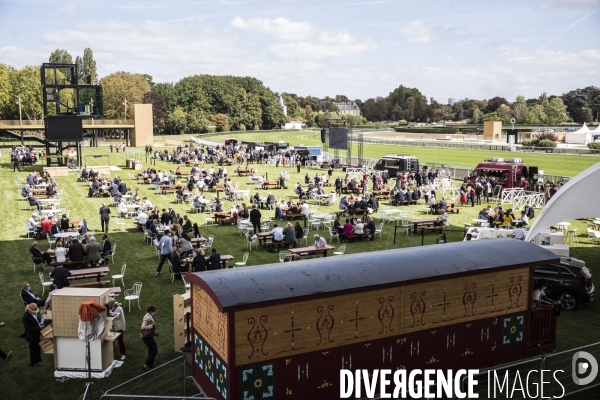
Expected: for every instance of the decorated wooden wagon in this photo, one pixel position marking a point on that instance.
(285, 330)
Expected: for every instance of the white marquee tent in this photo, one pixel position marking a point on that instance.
(578, 198)
(581, 136)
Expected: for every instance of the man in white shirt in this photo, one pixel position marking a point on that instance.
(142, 218)
(122, 208)
(304, 209)
(319, 241)
(518, 234)
(32, 225)
(147, 205)
(277, 233)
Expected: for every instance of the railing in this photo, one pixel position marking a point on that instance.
(86, 121)
(543, 326)
(25, 122)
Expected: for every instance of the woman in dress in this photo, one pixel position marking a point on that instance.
(60, 252)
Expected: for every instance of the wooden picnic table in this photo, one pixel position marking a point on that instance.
(224, 259)
(197, 241)
(418, 222)
(86, 273)
(263, 236)
(220, 215)
(244, 172)
(304, 251)
(271, 184)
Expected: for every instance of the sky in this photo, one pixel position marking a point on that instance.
(358, 48)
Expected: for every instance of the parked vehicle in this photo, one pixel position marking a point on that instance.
(395, 163)
(509, 174)
(569, 282)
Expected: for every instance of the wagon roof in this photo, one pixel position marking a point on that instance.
(275, 282)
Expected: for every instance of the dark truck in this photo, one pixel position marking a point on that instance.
(509, 174)
(395, 163)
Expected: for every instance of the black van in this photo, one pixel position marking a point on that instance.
(395, 163)
(569, 282)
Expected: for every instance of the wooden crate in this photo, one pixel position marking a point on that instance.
(47, 346)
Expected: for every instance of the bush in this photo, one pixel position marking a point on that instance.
(547, 136)
(546, 143)
(594, 146)
(529, 143)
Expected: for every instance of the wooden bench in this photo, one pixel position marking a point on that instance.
(287, 244)
(92, 284)
(364, 235)
(271, 185)
(165, 191)
(294, 216)
(432, 228)
(56, 263)
(454, 209)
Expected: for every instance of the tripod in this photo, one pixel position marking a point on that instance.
(89, 385)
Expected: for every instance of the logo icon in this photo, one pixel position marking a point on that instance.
(579, 367)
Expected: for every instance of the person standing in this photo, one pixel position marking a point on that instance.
(111, 148)
(148, 334)
(298, 166)
(32, 334)
(3, 355)
(118, 324)
(255, 218)
(166, 248)
(61, 276)
(104, 217)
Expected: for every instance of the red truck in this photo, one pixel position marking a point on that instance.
(509, 174)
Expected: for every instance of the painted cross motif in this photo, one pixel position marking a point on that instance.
(302, 371)
(443, 304)
(292, 331)
(492, 296)
(415, 348)
(355, 320)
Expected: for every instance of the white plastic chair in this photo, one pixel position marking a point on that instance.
(250, 240)
(341, 250)
(333, 233)
(51, 240)
(283, 255)
(305, 236)
(112, 254)
(29, 232)
(44, 284)
(33, 260)
(133, 294)
(379, 231)
(120, 223)
(120, 276)
(243, 262)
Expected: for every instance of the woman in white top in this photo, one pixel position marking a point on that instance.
(61, 253)
(359, 228)
(539, 295)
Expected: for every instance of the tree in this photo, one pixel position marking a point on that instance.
(313, 102)
(477, 115)
(25, 83)
(167, 91)
(504, 113)
(556, 111)
(177, 120)
(119, 86)
(148, 79)
(536, 115)
(197, 122)
(582, 115)
(89, 65)
(79, 64)
(5, 90)
(293, 108)
(221, 122)
(493, 116)
(60, 56)
(458, 110)
(159, 110)
(494, 103)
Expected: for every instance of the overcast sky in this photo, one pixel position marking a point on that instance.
(359, 48)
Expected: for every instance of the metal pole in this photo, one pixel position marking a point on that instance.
(20, 120)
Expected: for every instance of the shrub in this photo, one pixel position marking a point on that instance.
(546, 143)
(594, 146)
(547, 136)
(529, 143)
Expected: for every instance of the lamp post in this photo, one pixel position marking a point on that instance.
(20, 119)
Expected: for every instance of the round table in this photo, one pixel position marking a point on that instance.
(65, 235)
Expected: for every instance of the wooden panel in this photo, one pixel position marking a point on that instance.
(209, 321)
(440, 303)
(266, 333)
(65, 308)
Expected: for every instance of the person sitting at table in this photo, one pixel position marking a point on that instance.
(85, 174)
(442, 219)
(146, 204)
(518, 234)
(122, 209)
(83, 228)
(370, 227)
(176, 262)
(39, 255)
(347, 231)
(289, 234)
(29, 297)
(33, 201)
(51, 190)
(214, 261)
(299, 231)
(306, 179)
(243, 212)
(185, 242)
(165, 217)
(93, 251)
(523, 220)
(64, 223)
(114, 188)
(122, 188)
(508, 218)
(199, 264)
(60, 252)
(48, 304)
(277, 233)
(61, 277)
(32, 225)
(319, 242)
(344, 204)
(304, 209)
(142, 218)
(187, 224)
(55, 229)
(359, 228)
(106, 249)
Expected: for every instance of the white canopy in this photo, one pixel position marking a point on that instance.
(584, 129)
(597, 129)
(578, 198)
(581, 136)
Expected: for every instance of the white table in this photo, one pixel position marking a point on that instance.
(65, 235)
(487, 233)
(480, 221)
(563, 226)
(46, 212)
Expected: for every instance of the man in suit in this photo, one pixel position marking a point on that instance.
(199, 263)
(32, 334)
(165, 218)
(60, 275)
(122, 188)
(172, 215)
(29, 297)
(214, 262)
(39, 255)
(255, 218)
(106, 249)
(55, 229)
(153, 227)
(92, 250)
(76, 251)
(176, 262)
(187, 224)
(104, 217)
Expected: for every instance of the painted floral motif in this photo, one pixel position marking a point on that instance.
(386, 314)
(325, 324)
(257, 335)
(469, 298)
(417, 308)
(515, 290)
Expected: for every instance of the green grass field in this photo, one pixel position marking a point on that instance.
(575, 328)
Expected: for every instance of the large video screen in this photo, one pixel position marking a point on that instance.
(64, 128)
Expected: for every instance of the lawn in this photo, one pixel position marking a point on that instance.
(551, 164)
(575, 328)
